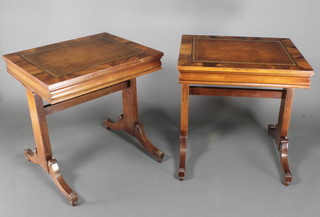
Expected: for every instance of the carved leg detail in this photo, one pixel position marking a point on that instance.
(53, 170)
(280, 131)
(119, 125)
(129, 121)
(55, 173)
(31, 155)
(183, 130)
(282, 146)
(183, 153)
(42, 154)
(139, 133)
(283, 151)
(145, 142)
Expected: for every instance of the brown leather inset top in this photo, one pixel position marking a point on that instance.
(77, 56)
(240, 51)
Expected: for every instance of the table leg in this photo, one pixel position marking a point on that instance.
(183, 130)
(129, 121)
(42, 154)
(280, 132)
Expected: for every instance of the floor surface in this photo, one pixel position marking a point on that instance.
(232, 169)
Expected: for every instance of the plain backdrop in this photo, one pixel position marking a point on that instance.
(233, 168)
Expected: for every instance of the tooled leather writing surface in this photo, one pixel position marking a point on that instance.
(240, 51)
(77, 56)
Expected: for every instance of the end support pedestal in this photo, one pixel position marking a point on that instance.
(136, 130)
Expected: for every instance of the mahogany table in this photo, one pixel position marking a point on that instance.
(274, 65)
(72, 72)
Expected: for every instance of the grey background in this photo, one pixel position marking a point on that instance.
(233, 168)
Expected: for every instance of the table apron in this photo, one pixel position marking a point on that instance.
(237, 92)
(53, 108)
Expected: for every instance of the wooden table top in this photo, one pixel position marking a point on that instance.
(203, 58)
(72, 68)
